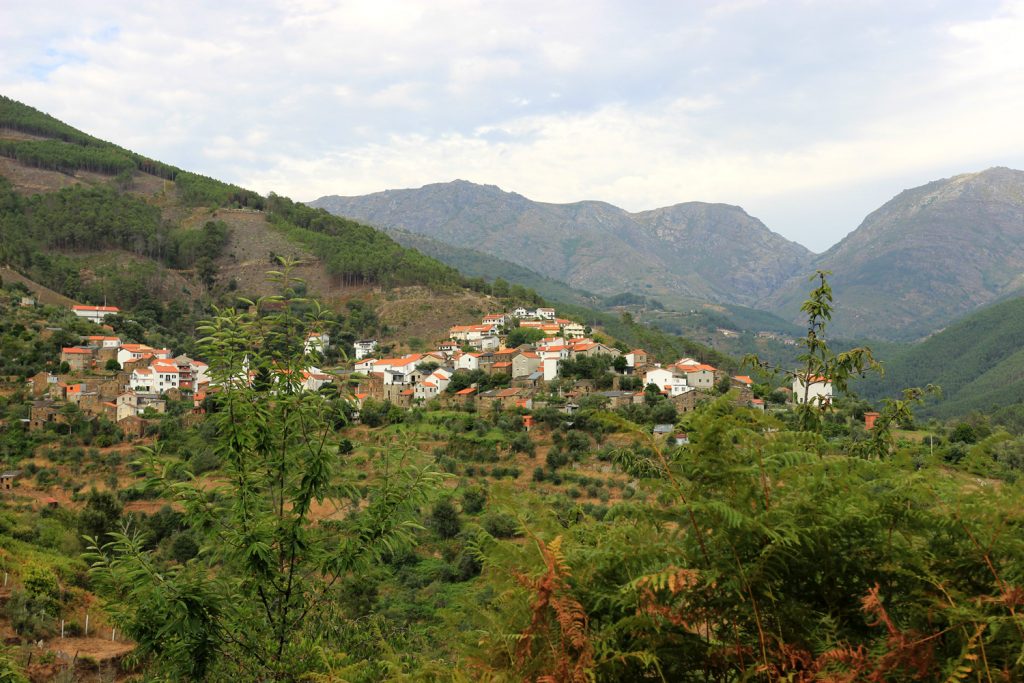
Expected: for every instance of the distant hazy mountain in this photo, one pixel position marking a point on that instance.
(709, 251)
(930, 255)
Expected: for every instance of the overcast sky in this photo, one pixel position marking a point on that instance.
(807, 114)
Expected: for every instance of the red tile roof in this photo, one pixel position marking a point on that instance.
(104, 309)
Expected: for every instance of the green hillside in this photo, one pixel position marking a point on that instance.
(978, 361)
(42, 231)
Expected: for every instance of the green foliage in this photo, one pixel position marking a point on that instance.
(18, 116)
(9, 671)
(101, 515)
(259, 597)
(58, 156)
(444, 519)
(818, 362)
(198, 190)
(972, 359)
(356, 253)
(756, 554)
(523, 335)
(473, 500)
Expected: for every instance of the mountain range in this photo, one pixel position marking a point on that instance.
(706, 251)
(923, 259)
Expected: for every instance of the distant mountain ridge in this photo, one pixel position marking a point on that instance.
(710, 251)
(927, 257)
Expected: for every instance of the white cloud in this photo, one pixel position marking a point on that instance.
(745, 103)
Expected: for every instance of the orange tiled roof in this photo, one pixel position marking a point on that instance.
(104, 309)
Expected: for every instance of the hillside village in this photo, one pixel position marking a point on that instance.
(489, 363)
(523, 359)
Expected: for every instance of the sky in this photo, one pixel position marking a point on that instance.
(807, 114)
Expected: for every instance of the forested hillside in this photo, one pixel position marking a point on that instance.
(978, 361)
(41, 231)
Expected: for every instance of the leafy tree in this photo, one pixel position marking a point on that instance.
(523, 335)
(101, 515)
(964, 433)
(473, 500)
(444, 519)
(818, 360)
(256, 602)
(207, 272)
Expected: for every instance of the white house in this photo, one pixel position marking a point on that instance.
(550, 367)
(442, 377)
(556, 351)
(485, 343)
(129, 352)
(317, 342)
(95, 313)
(667, 380)
(496, 319)
(433, 385)
(403, 363)
(144, 380)
(101, 342)
(364, 365)
(467, 361)
(364, 348)
(470, 333)
(572, 330)
(545, 313)
(520, 313)
(448, 348)
(168, 375)
(400, 370)
(698, 376)
(313, 379)
(817, 391)
(424, 391)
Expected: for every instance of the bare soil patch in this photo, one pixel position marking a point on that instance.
(43, 294)
(100, 649)
(11, 134)
(28, 180)
(418, 312)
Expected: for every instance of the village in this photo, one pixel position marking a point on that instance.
(515, 360)
(531, 374)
